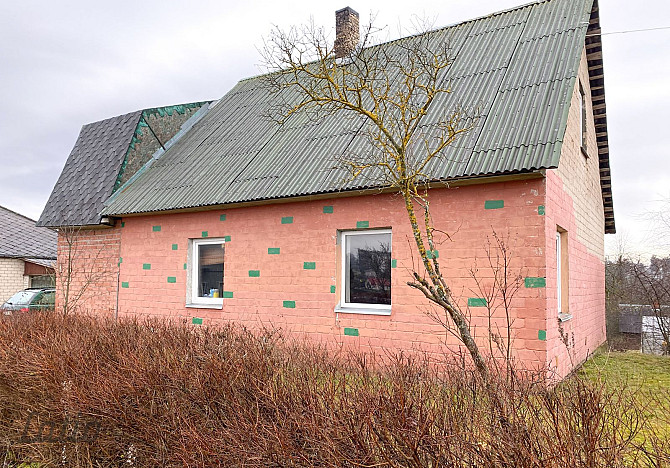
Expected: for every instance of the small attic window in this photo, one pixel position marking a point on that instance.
(582, 119)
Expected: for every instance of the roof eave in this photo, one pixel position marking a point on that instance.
(594, 56)
(444, 183)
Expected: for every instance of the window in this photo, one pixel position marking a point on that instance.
(582, 118)
(562, 279)
(42, 281)
(206, 273)
(366, 272)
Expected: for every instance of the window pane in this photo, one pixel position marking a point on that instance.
(210, 270)
(21, 297)
(368, 268)
(42, 281)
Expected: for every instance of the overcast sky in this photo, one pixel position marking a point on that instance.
(67, 63)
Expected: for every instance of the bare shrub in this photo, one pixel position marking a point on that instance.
(162, 394)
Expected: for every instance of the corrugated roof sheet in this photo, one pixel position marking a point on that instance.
(20, 237)
(517, 67)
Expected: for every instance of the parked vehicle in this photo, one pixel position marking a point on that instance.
(30, 299)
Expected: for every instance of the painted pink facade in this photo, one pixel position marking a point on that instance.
(267, 287)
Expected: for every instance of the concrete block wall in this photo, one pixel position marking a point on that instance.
(12, 278)
(284, 294)
(93, 283)
(574, 202)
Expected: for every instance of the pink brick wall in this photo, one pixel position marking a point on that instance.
(94, 256)
(312, 237)
(570, 197)
(574, 202)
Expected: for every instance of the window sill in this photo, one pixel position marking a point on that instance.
(564, 317)
(362, 310)
(205, 306)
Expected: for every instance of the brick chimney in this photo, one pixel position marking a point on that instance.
(347, 34)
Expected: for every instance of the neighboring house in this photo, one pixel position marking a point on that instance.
(652, 323)
(241, 220)
(27, 254)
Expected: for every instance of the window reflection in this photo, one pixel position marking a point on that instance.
(368, 268)
(210, 270)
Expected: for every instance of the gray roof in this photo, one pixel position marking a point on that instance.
(47, 263)
(97, 162)
(90, 171)
(21, 238)
(518, 66)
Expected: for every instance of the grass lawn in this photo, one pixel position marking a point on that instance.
(648, 376)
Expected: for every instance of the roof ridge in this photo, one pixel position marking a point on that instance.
(112, 118)
(19, 214)
(438, 29)
(193, 103)
(140, 111)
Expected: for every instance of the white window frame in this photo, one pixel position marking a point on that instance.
(193, 276)
(582, 118)
(559, 273)
(357, 307)
(562, 275)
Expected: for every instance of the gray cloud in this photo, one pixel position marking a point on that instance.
(68, 63)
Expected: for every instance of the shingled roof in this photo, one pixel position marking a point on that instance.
(21, 238)
(518, 66)
(107, 153)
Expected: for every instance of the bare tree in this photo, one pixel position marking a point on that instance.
(659, 220)
(80, 267)
(498, 291)
(654, 283)
(387, 91)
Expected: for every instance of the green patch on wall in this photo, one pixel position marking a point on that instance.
(146, 266)
(226, 238)
(531, 282)
(362, 224)
(227, 294)
(185, 266)
(328, 209)
(289, 304)
(156, 228)
(394, 263)
(309, 265)
(494, 204)
(125, 284)
(542, 335)
(254, 273)
(222, 217)
(476, 302)
(196, 321)
(205, 234)
(273, 250)
(120, 260)
(433, 254)
(540, 209)
(332, 289)
(287, 220)
(171, 279)
(123, 224)
(351, 331)
(175, 246)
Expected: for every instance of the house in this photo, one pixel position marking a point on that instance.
(27, 254)
(243, 220)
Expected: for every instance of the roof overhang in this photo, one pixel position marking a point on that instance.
(450, 183)
(594, 55)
